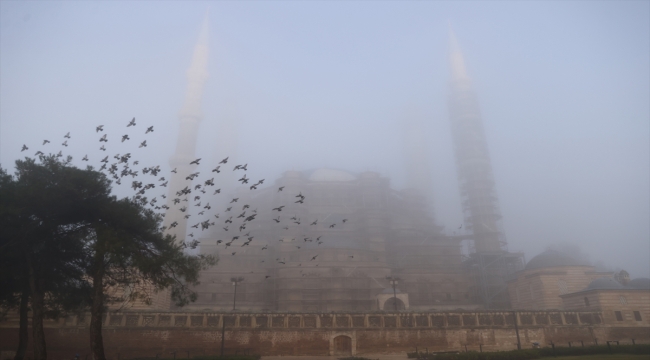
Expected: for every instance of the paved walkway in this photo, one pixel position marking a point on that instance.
(368, 356)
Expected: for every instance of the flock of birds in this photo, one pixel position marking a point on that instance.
(145, 179)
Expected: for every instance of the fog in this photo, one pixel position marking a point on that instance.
(563, 88)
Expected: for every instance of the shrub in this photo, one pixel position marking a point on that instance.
(593, 350)
(473, 355)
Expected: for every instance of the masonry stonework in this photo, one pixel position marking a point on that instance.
(135, 334)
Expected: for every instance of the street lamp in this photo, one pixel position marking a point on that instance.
(235, 281)
(393, 281)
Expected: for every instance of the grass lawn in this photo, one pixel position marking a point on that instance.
(601, 357)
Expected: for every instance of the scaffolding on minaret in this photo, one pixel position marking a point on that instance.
(190, 117)
(490, 261)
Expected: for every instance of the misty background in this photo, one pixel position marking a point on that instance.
(564, 91)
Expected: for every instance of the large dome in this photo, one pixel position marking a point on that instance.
(605, 283)
(551, 258)
(640, 283)
(331, 175)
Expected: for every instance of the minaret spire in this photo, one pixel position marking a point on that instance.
(190, 116)
(480, 203)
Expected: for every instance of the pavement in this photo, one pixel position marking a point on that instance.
(367, 356)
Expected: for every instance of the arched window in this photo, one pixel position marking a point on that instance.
(586, 301)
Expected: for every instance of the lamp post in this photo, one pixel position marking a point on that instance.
(393, 281)
(235, 281)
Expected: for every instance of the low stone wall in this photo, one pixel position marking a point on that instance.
(133, 334)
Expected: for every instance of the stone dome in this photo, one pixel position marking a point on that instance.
(331, 175)
(551, 258)
(605, 283)
(640, 283)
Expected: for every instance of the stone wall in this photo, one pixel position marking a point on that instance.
(132, 334)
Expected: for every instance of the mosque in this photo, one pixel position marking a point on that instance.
(357, 244)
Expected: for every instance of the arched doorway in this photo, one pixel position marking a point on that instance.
(389, 305)
(342, 345)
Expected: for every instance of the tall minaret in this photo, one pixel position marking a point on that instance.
(190, 116)
(416, 157)
(479, 199)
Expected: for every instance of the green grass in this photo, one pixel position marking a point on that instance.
(602, 357)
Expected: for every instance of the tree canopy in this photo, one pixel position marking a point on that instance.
(66, 241)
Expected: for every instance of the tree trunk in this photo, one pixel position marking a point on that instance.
(97, 310)
(23, 333)
(40, 352)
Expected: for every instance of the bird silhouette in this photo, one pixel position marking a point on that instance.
(216, 169)
(280, 188)
(149, 129)
(65, 143)
(24, 148)
(279, 208)
(67, 136)
(125, 137)
(224, 161)
(131, 123)
(103, 138)
(195, 161)
(45, 141)
(99, 128)
(103, 148)
(143, 144)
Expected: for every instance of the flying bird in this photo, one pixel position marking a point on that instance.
(24, 148)
(39, 153)
(67, 136)
(45, 141)
(131, 123)
(85, 158)
(143, 144)
(174, 171)
(195, 161)
(125, 137)
(224, 161)
(149, 129)
(216, 169)
(99, 128)
(103, 148)
(103, 138)
(280, 188)
(279, 208)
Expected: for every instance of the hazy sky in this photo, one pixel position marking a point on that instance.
(564, 89)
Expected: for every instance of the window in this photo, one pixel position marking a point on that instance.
(622, 300)
(619, 316)
(586, 301)
(562, 287)
(637, 316)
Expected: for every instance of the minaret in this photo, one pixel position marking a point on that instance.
(190, 116)
(479, 199)
(417, 160)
